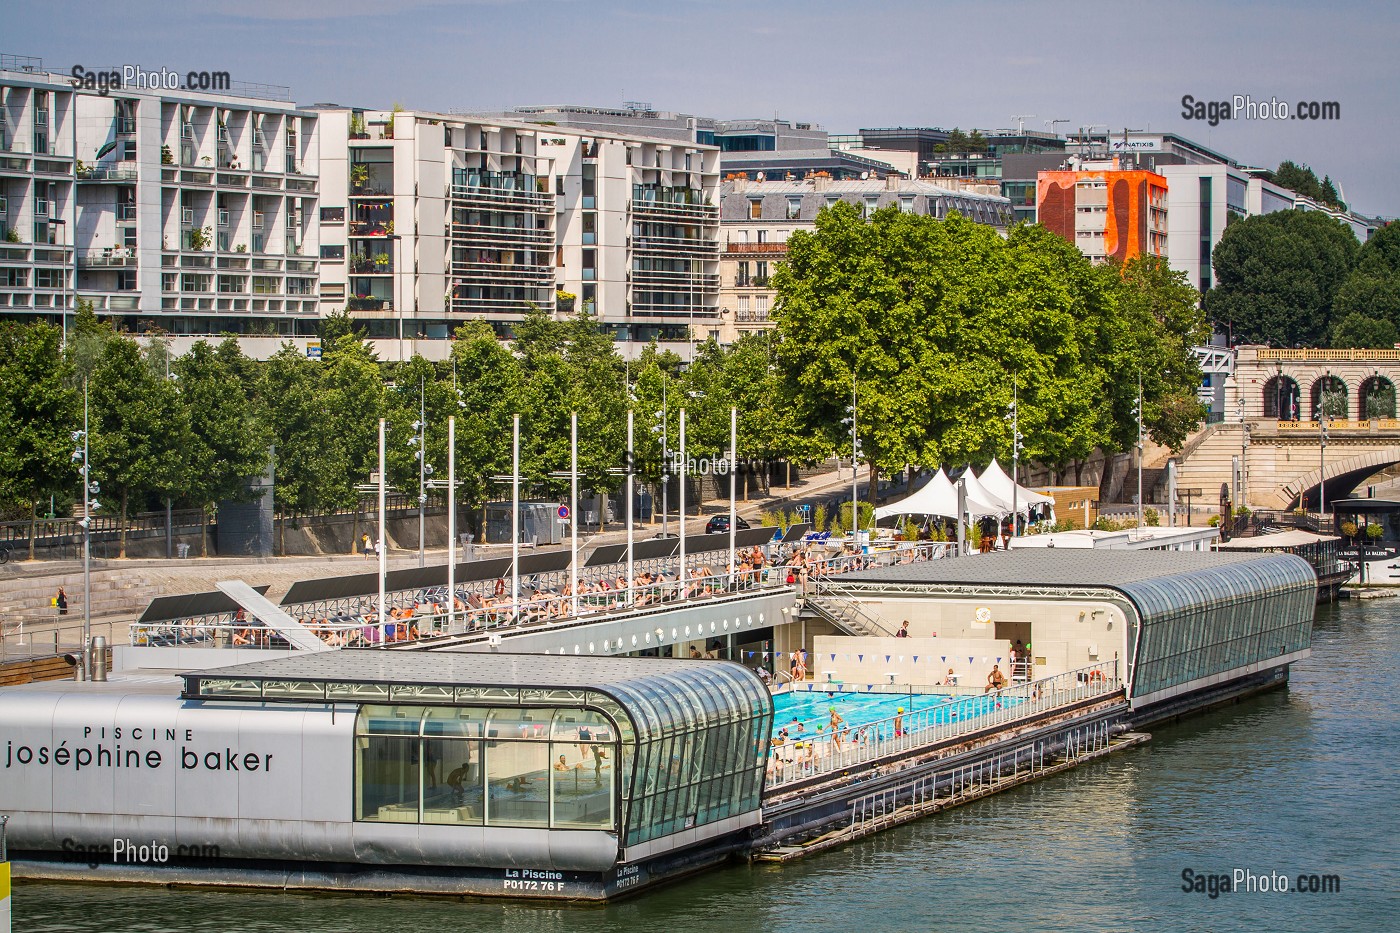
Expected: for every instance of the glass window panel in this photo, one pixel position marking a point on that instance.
(455, 721)
(390, 720)
(582, 725)
(519, 723)
(452, 784)
(581, 780)
(387, 779)
(517, 783)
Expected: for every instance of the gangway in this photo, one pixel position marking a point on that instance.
(267, 612)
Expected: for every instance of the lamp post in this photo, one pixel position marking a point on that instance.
(1244, 439)
(1014, 416)
(425, 469)
(1137, 416)
(664, 430)
(90, 505)
(855, 463)
(1322, 464)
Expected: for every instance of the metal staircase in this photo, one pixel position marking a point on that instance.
(849, 615)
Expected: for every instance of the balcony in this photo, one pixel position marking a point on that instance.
(755, 247)
(118, 258)
(108, 174)
(371, 228)
(499, 196)
(379, 264)
(368, 304)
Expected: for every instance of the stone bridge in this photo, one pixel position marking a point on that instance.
(1281, 394)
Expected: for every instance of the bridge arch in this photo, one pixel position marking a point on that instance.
(1281, 397)
(1376, 398)
(1341, 477)
(1330, 392)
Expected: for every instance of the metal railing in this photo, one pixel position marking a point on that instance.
(45, 633)
(961, 714)
(850, 615)
(485, 607)
(876, 810)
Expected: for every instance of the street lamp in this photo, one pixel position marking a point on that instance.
(850, 419)
(90, 505)
(1244, 441)
(1137, 416)
(1013, 414)
(664, 430)
(425, 469)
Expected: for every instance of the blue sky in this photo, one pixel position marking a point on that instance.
(841, 65)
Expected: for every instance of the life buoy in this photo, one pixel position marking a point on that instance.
(1095, 675)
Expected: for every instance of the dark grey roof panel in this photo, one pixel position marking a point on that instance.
(169, 608)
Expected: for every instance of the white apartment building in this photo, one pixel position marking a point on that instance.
(1201, 200)
(758, 216)
(431, 220)
(187, 212)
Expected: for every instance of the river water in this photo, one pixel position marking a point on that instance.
(1302, 780)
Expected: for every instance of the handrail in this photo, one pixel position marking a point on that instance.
(960, 715)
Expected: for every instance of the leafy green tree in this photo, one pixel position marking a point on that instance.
(39, 410)
(489, 388)
(138, 430)
(308, 459)
(351, 398)
(228, 442)
(1357, 330)
(1368, 292)
(1277, 275)
(339, 324)
(1381, 253)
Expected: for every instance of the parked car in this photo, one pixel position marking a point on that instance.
(720, 523)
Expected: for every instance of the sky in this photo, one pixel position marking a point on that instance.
(841, 65)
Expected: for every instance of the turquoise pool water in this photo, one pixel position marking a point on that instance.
(814, 709)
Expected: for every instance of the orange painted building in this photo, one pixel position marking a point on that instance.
(1105, 212)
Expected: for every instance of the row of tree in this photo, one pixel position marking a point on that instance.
(929, 326)
(1299, 278)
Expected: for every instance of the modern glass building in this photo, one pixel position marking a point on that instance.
(659, 753)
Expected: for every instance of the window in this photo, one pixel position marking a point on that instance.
(333, 252)
(741, 274)
(761, 307)
(194, 283)
(590, 228)
(233, 284)
(14, 278)
(48, 278)
(499, 767)
(266, 285)
(329, 290)
(169, 282)
(332, 215)
(590, 264)
(129, 237)
(743, 307)
(763, 236)
(760, 275)
(755, 208)
(794, 208)
(590, 186)
(126, 280)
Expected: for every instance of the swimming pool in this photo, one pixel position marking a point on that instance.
(813, 709)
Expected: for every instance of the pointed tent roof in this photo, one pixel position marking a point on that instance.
(939, 496)
(975, 490)
(995, 481)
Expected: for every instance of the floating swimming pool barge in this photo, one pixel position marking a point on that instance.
(588, 778)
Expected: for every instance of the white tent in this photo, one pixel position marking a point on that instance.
(975, 490)
(996, 482)
(938, 497)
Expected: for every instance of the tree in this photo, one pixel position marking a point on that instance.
(39, 410)
(1357, 330)
(488, 391)
(351, 398)
(228, 441)
(1369, 292)
(307, 458)
(1277, 275)
(138, 430)
(1381, 253)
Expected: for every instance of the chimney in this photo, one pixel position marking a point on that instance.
(820, 180)
(741, 183)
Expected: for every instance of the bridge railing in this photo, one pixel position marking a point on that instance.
(1340, 424)
(820, 752)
